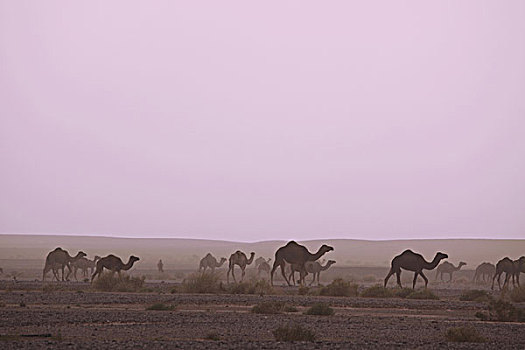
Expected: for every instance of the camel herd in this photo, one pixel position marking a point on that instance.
(290, 258)
(58, 259)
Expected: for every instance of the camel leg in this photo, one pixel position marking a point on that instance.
(97, 272)
(424, 277)
(493, 279)
(233, 274)
(450, 279)
(398, 276)
(243, 273)
(414, 282)
(390, 273)
(274, 267)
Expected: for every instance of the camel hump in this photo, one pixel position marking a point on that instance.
(408, 251)
(292, 243)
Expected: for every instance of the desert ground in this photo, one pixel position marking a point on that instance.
(76, 315)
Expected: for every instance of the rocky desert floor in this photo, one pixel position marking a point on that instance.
(72, 315)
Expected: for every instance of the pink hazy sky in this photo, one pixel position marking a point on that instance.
(243, 121)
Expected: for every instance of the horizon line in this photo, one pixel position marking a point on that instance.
(255, 241)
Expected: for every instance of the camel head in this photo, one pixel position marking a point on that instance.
(80, 254)
(133, 258)
(97, 258)
(461, 263)
(330, 262)
(223, 260)
(252, 255)
(325, 249)
(440, 256)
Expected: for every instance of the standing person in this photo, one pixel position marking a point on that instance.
(160, 266)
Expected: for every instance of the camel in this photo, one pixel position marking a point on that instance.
(238, 258)
(209, 261)
(297, 254)
(411, 261)
(83, 264)
(511, 269)
(59, 259)
(447, 267)
(114, 264)
(520, 268)
(485, 270)
(263, 266)
(259, 261)
(313, 267)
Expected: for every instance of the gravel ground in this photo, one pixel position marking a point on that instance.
(78, 318)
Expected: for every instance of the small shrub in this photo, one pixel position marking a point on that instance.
(502, 311)
(268, 307)
(22, 304)
(213, 336)
(290, 308)
(202, 283)
(339, 288)
(161, 307)
(377, 292)
(320, 309)
(403, 292)
(303, 290)
(2, 304)
(107, 282)
(253, 286)
(293, 333)
(464, 334)
(517, 295)
(475, 295)
(422, 294)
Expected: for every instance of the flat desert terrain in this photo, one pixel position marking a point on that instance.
(74, 315)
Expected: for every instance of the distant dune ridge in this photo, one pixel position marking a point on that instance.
(186, 253)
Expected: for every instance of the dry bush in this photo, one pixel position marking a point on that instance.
(377, 291)
(517, 295)
(202, 283)
(303, 290)
(108, 282)
(253, 286)
(161, 307)
(213, 336)
(269, 307)
(403, 292)
(321, 309)
(422, 294)
(339, 288)
(502, 311)
(475, 295)
(464, 334)
(293, 333)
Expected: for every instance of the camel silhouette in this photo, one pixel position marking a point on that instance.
(57, 260)
(263, 267)
(408, 260)
(313, 267)
(484, 271)
(83, 264)
(447, 267)
(294, 253)
(209, 261)
(511, 269)
(238, 258)
(114, 264)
